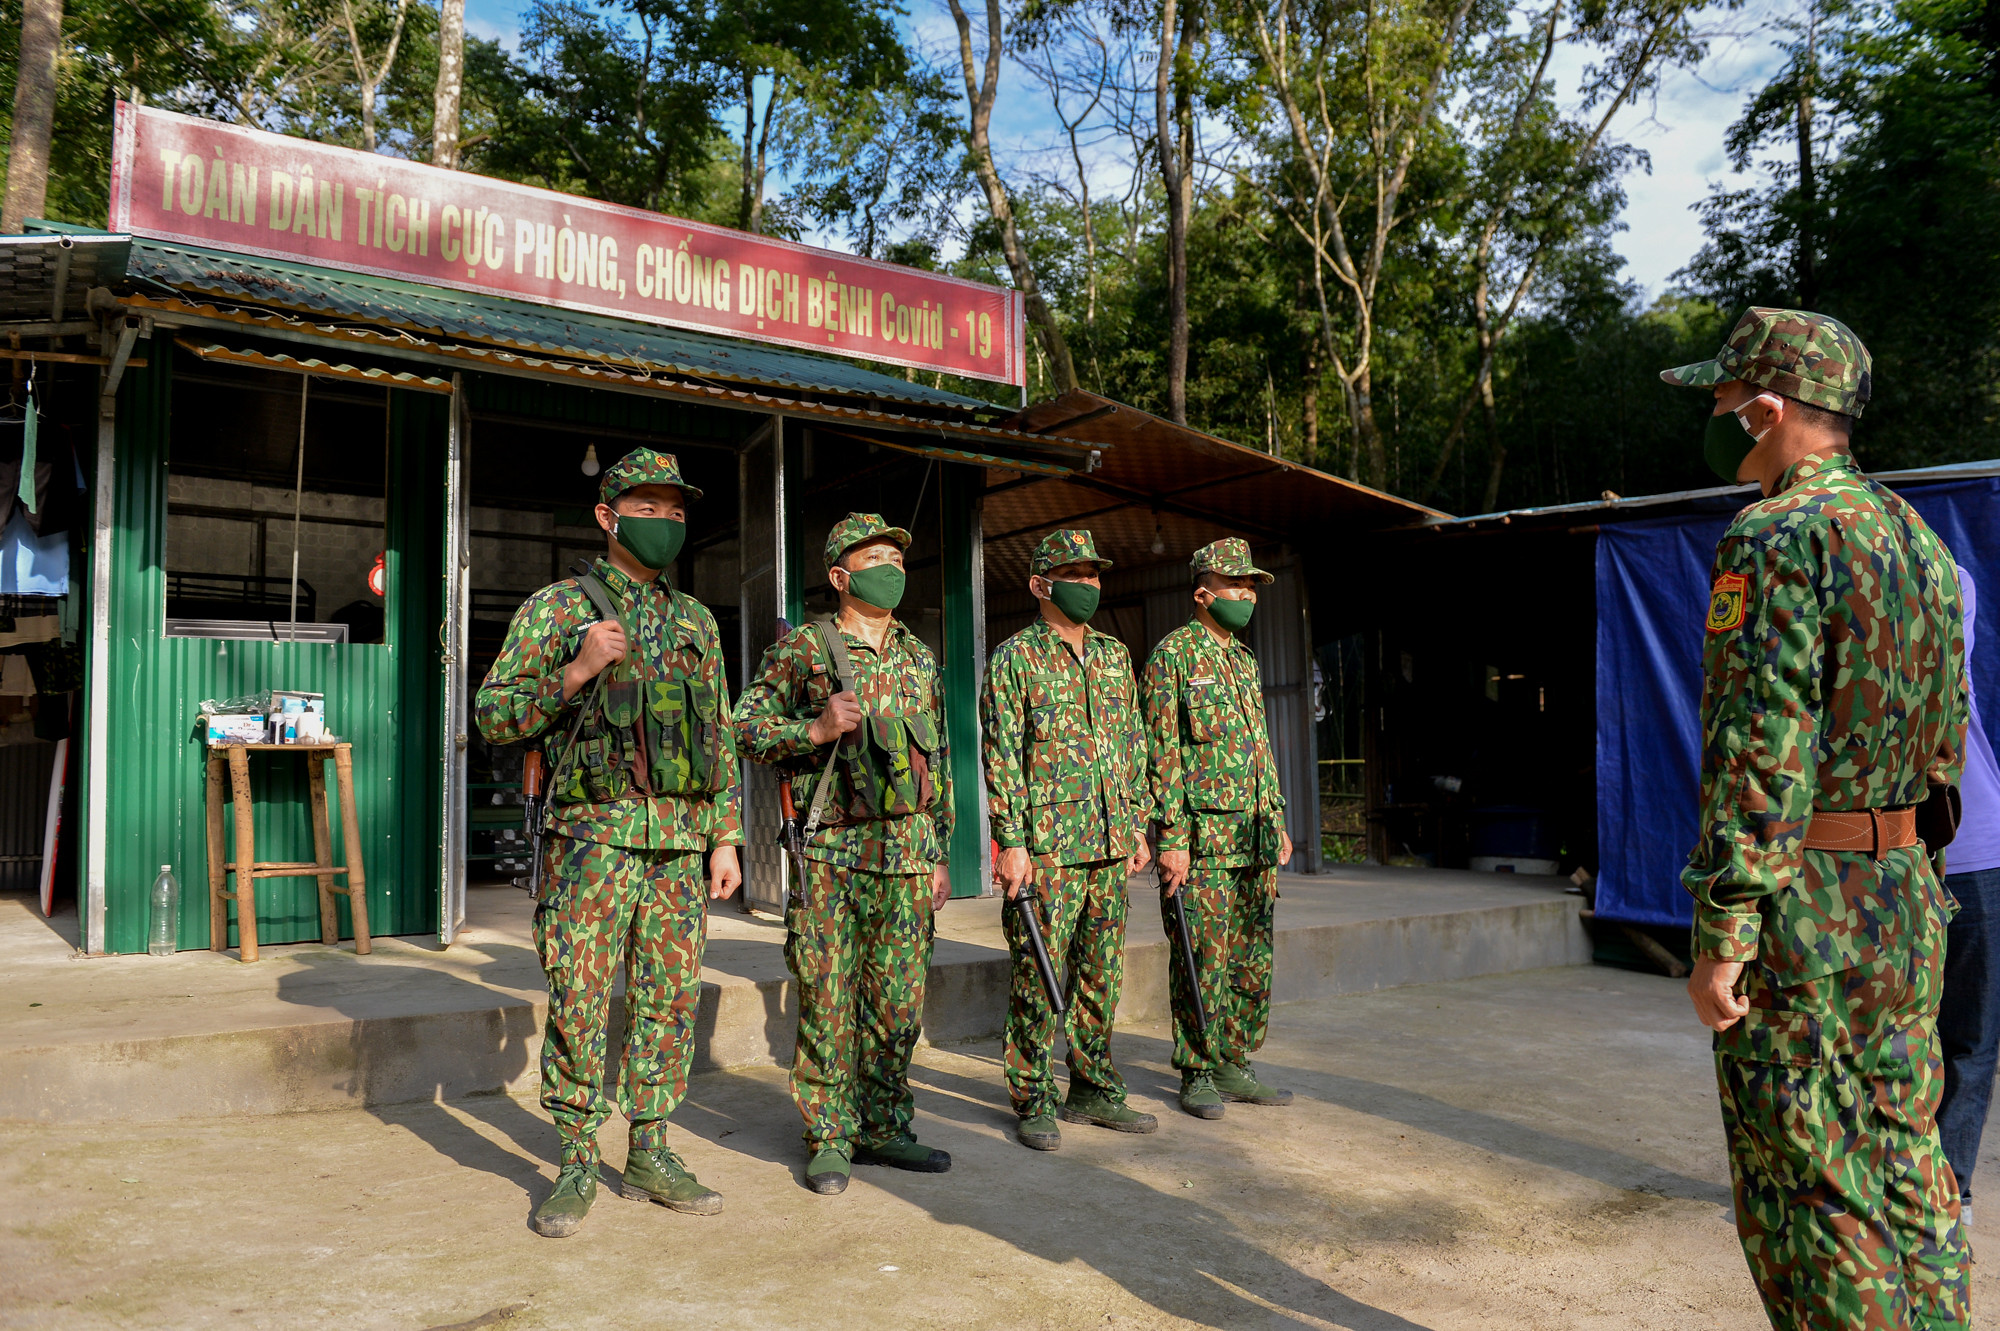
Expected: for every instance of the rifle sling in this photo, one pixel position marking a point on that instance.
(843, 680)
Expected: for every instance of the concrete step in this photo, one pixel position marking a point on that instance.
(309, 1027)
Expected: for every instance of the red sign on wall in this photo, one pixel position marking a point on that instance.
(201, 182)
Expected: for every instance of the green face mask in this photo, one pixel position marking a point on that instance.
(652, 541)
(1077, 600)
(1725, 443)
(1232, 615)
(880, 586)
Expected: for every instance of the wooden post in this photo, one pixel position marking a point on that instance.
(246, 854)
(218, 904)
(329, 917)
(350, 834)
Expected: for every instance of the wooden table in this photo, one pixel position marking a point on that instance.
(235, 759)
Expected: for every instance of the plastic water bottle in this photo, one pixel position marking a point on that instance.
(166, 913)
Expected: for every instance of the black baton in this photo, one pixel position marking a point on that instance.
(1031, 922)
(1186, 943)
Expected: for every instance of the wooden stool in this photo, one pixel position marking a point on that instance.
(237, 759)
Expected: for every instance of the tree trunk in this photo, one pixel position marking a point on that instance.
(450, 84)
(979, 95)
(749, 149)
(34, 114)
(1808, 279)
(1487, 408)
(1368, 435)
(1309, 410)
(1173, 116)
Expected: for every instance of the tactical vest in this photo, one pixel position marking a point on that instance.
(671, 730)
(882, 769)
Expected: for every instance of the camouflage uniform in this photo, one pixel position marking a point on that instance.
(623, 870)
(1216, 795)
(859, 927)
(1065, 778)
(1834, 663)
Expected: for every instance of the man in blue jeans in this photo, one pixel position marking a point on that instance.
(1968, 1021)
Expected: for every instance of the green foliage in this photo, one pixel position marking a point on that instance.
(1906, 246)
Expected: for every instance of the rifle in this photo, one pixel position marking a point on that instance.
(1023, 905)
(533, 800)
(1184, 941)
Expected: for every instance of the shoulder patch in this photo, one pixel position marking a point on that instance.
(1725, 602)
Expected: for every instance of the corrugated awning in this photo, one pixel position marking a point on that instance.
(45, 280)
(1165, 485)
(224, 281)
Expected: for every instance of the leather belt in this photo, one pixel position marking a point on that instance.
(1870, 832)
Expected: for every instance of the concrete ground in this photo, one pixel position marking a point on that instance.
(1539, 1150)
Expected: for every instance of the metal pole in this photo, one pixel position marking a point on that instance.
(298, 498)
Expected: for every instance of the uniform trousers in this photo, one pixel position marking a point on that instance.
(1082, 913)
(1969, 1018)
(602, 906)
(1230, 910)
(1845, 1204)
(859, 945)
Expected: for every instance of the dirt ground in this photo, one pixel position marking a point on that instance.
(1534, 1150)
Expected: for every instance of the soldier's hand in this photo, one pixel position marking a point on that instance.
(1284, 847)
(725, 873)
(1142, 855)
(1713, 989)
(940, 887)
(1173, 870)
(602, 644)
(1013, 870)
(841, 714)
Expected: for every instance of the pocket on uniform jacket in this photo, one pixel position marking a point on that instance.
(1791, 1039)
(1205, 722)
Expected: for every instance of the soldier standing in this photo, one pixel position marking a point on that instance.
(1834, 702)
(1065, 773)
(1222, 835)
(624, 675)
(859, 925)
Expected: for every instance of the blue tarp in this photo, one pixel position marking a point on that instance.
(1652, 599)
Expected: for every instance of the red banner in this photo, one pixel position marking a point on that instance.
(200, 182)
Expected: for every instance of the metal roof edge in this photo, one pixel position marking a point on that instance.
(1949, 471)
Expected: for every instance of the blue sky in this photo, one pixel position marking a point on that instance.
(1681, 126)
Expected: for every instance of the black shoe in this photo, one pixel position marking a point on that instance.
(827, 1171)
(908, 1154)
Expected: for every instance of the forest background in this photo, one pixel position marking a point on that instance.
(1371, 235)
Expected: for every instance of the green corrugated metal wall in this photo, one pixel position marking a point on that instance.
(384, 698)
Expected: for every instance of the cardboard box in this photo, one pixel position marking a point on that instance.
(244, 728)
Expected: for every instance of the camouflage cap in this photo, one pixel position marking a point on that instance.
(1813, 358)
(1071, 545)
(642, 466)
(1229, 557)
(855, 528)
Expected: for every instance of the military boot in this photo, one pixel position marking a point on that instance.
(569, 1202)
(1038, 1132)
(1198, 1095)
(1236, 1081)
(827, 1171)
(659, 1175)
(905, 1153)
(1087, 1104)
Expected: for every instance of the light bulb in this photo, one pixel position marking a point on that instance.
(590, 467)
(1159, 539)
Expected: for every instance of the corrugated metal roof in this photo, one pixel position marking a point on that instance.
(1161, 484)
(303, 289)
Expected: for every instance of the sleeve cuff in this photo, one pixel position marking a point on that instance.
(1726, 935)
(1174, 837)
(1009, 838)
